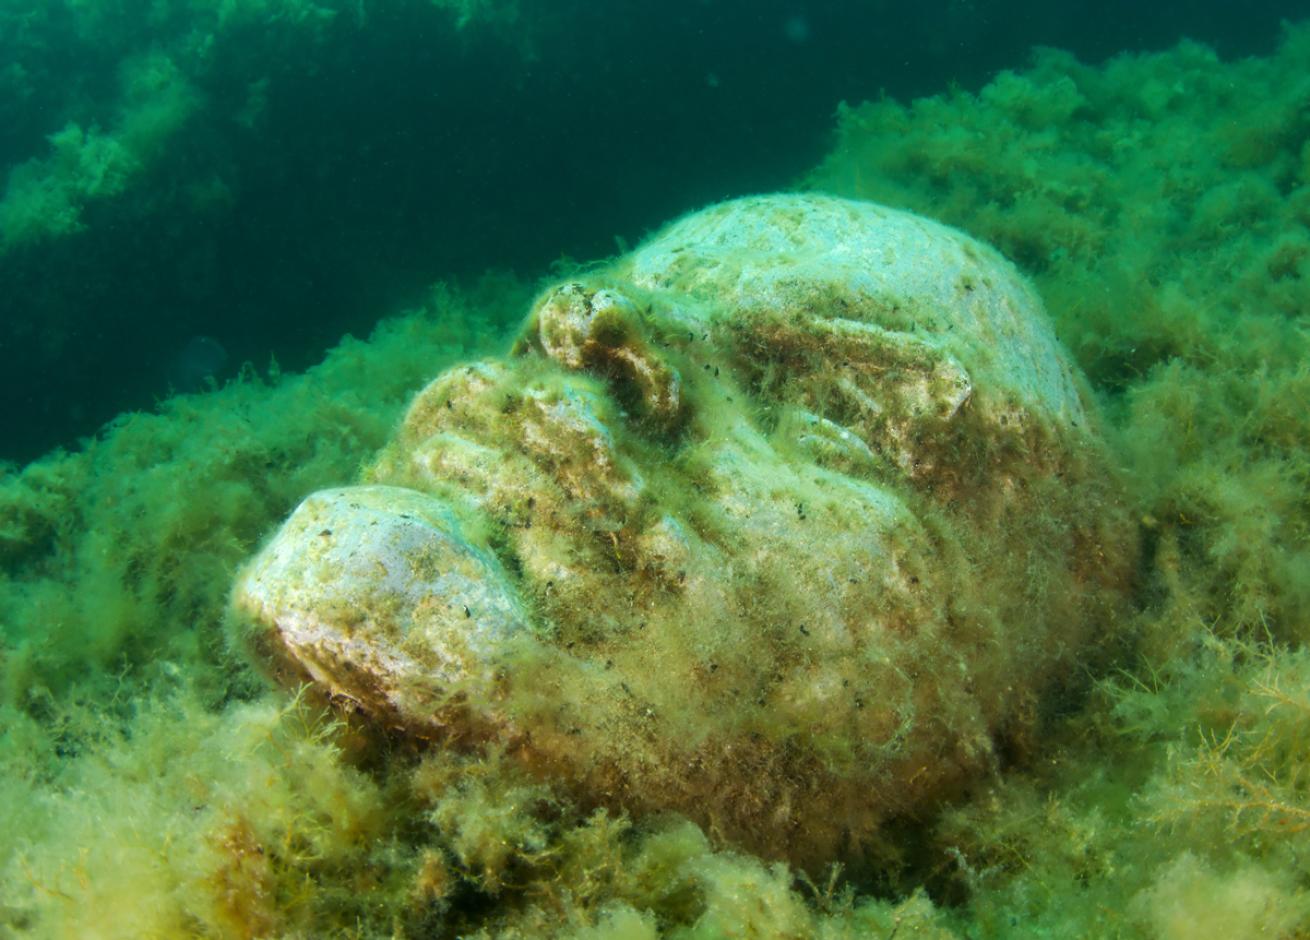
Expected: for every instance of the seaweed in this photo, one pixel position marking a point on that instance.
(153, 785)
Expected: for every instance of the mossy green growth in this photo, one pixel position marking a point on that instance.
(1162, 205)
(114, 670)
(109, 138)
(119, 556)
(1141, 198)
(597, 549)
(1166, 222)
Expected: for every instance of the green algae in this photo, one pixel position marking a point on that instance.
(120, 132)
(157, 788)
(1168, 235)
(120, 136)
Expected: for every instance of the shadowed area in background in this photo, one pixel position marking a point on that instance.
(321, 175)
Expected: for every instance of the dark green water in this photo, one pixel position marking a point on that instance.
(309, 168)
(191, 186)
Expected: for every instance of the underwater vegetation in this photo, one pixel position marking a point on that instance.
(146, 196)
(179, 168)
(152, 784)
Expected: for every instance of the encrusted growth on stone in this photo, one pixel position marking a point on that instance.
(777, 522)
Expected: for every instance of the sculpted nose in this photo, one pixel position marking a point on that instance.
(377, 593)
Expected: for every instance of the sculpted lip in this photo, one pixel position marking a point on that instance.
(780, 522)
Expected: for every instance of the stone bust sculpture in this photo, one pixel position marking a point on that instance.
(782, 521)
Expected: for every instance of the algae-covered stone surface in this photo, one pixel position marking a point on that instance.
(153, 784)
(777, 522)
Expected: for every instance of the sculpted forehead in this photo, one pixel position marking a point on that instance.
(832, 258)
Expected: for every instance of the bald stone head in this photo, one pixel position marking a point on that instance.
(782, 521)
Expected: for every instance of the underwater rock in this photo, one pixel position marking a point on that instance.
(786, 521)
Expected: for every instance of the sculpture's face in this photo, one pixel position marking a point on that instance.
(775, 522)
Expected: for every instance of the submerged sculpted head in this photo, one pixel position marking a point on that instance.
(784, 521)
